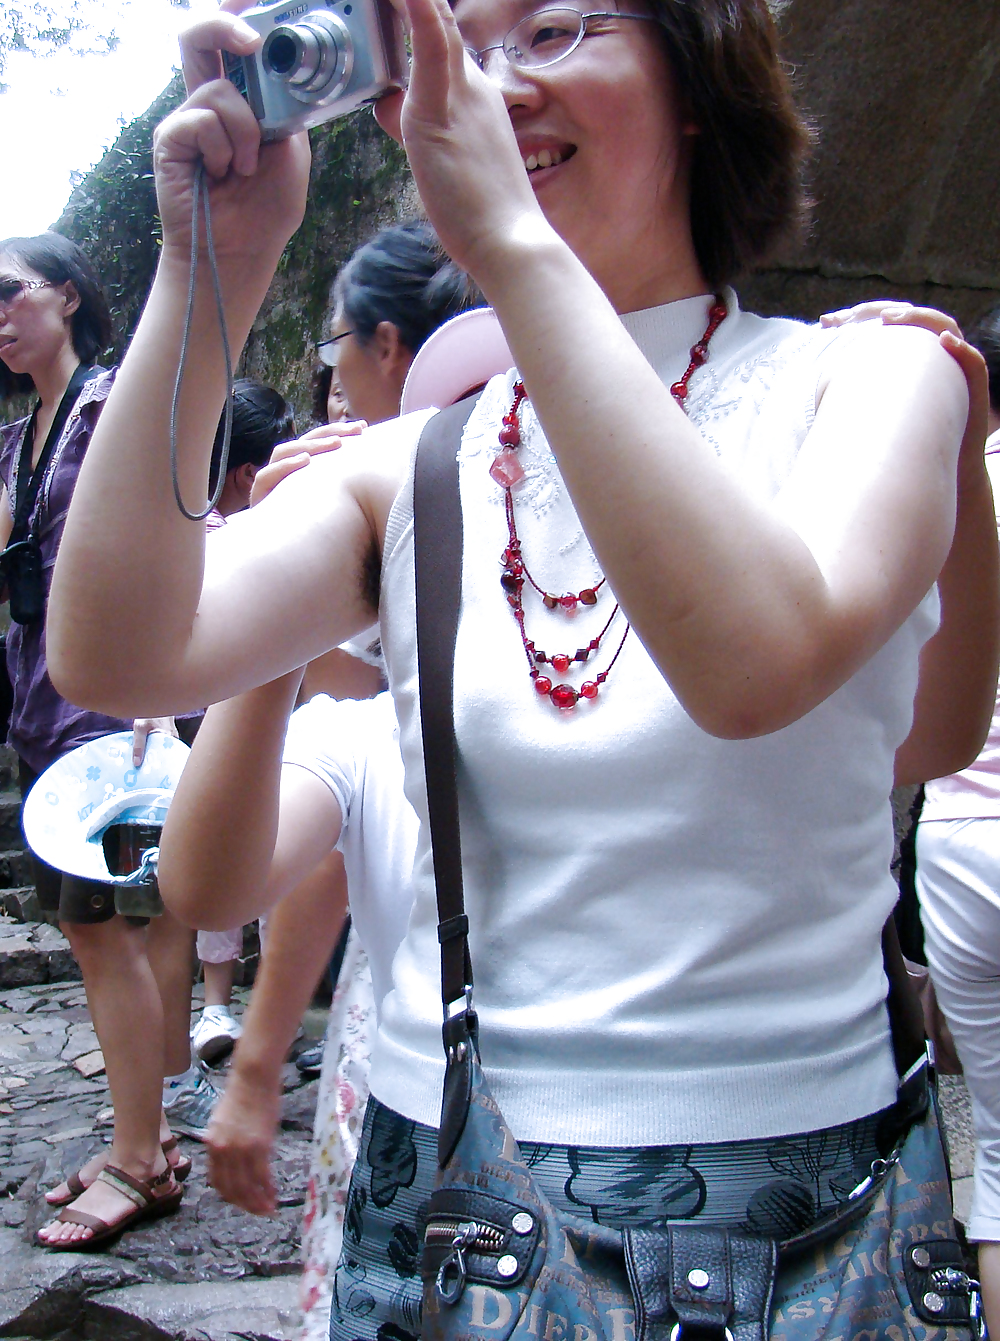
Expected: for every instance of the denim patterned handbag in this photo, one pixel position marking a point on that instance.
(499, 1261)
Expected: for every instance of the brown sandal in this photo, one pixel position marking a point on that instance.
(148, 1206)
(77, 1187)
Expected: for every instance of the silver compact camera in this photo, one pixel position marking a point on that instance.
(319, 61)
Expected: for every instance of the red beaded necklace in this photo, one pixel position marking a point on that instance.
(507, 471)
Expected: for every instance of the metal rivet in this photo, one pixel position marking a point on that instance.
(921, 1258)
(460, 1052)
(933, 1303)
(507, 1265)
(698, 1279)
(97, 901)
(522, 1223)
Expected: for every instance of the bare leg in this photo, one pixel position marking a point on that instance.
(170, 948)
(219, 983)
(128, 1020)
(989, 1275)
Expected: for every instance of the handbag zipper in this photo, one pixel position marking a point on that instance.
(460, 1236)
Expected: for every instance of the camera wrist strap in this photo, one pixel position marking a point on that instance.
(199, 198)
(29, 478)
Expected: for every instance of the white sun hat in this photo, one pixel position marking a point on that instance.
(94, 786)
(459, 357)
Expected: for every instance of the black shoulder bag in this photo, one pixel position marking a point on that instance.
(21, 561)
(499, 1261)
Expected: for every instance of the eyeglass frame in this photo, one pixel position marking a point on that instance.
(324, 357)
(477, 55)
(25, 284)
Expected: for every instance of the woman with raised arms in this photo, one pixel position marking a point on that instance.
(675, 825)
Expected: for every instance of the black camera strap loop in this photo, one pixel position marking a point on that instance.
(29, 479)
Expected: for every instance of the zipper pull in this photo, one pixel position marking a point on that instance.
(450, 1282)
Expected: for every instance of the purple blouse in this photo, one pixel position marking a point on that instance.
(43, 725)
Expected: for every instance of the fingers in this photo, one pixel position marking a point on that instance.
(438, 56)
(241, 1174)
(388, 110)
(203, 42)
(215, 124)
(271, 476)
(141, 728)
(894, 313)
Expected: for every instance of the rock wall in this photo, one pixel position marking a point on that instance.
(906, 101)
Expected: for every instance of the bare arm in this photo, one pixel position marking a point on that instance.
(956, 694)
(301, 934)
(242, 831)
(754, 614)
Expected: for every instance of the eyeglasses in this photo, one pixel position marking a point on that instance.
(547, 36)
(327, 349)
(13, 290)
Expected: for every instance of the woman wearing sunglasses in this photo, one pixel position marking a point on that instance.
(54, 324)
(700, 557)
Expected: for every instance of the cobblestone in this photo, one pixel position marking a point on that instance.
(210, 1270)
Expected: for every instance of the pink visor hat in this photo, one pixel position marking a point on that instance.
(458, 358)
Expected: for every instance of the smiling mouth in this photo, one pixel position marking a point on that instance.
(547, 158)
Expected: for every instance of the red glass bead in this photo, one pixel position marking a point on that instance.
(717, 313)
(678, 391)
(560, 662)
(540, 657)
(511, 582)
(698, 357)
(512, 599)
(588, 596)
(510, 435)
(543, 684)
(550, 602)
(594, 644)
(582, 654)
(506, 469)
(588, 689)
(569, 601)
(564, 696)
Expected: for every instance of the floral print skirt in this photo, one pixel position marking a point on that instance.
(340, 1109)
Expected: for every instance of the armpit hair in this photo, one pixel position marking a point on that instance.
(371, 576)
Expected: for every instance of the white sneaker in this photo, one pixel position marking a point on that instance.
(189, 1107)
(214, 1034)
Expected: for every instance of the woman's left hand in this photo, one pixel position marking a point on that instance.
(969, 359)
(454, 125)
(288, 457)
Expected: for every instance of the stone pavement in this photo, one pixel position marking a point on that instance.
(209, 1272)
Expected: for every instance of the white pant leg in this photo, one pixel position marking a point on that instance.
(958, 884)
(219, 947)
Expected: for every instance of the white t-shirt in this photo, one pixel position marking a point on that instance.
(674, 937)
(352, 745)
(975, 792)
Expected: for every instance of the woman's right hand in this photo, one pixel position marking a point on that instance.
(257, 191)
(288, 457)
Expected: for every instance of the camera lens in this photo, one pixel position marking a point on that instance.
(311, 55)
(282, 53)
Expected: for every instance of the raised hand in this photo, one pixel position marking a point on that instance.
(257, 192)
(454, 125)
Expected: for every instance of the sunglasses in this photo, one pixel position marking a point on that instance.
(13, 290)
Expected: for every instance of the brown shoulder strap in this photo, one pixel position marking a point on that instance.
(437, 547)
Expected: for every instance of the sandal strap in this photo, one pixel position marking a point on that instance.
(139, 1193)
(69, 1216)
(168, 1145)
(75, 1184)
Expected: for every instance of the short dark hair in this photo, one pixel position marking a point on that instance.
(322, 378)
(59, 260)
(985, 336)
(261, 419)
(747, 161)
(404, 276)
